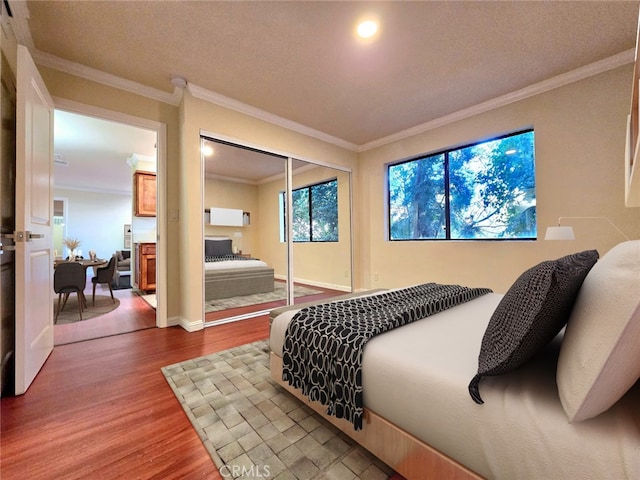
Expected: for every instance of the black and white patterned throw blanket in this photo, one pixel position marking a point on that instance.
(324, 343)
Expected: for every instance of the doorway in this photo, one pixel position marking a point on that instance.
(96, 154)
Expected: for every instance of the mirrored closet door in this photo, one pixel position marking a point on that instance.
(321, 230)
(246, 244)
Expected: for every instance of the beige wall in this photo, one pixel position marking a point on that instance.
(580, 136)
(580, 140)
(271, 249)
(224, 194)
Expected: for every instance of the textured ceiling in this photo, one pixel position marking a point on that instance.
(300, 61)
(91, 153)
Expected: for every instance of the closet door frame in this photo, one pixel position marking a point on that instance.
(288, 174)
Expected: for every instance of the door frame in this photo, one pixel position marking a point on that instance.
(65, 215)
(161, 205)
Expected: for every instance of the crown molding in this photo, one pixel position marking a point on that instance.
(581, 73)
(57, 63)
(213, 176)
(230, 103)
(601, 66)
(19, 22)
(88, 73)
(262, 181)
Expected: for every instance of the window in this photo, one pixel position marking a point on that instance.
(315, 213)
(477, 192)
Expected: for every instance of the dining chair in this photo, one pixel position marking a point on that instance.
(105, 275)
(69, 277)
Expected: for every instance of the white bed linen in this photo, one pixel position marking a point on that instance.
(416, 377)
(226, 264)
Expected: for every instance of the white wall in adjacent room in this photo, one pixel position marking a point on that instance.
(97, 219)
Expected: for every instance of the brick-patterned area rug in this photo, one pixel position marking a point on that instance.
(279, 293)
(253, 428)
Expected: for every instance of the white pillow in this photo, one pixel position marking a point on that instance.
(600, 354)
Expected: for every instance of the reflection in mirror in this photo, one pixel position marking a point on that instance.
(245, 246)
(321, 229)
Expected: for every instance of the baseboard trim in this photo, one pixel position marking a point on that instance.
(312, 283)
(189, 326)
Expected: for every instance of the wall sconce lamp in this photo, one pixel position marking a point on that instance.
(566, 232)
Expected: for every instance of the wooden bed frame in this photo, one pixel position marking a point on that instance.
(407, 455)
(232, 282)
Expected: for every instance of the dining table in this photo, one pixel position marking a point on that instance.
(86, 263)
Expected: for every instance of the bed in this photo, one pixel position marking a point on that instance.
(570, 410)
(230, 275)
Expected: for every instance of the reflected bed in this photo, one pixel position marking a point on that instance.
(229, 275)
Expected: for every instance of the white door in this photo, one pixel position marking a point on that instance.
(34, 215)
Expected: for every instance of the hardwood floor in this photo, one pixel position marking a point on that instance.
(135, 314)
(132, 314)
(102, 409)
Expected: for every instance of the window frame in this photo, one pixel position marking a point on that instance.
(283, 212)
(446, 179)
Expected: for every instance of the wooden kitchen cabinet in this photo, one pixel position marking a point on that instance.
(145, 194)
(145, 254)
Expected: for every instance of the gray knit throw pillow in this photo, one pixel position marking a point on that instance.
(530, 315)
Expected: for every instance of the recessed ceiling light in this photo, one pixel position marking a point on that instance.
(367, 29)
